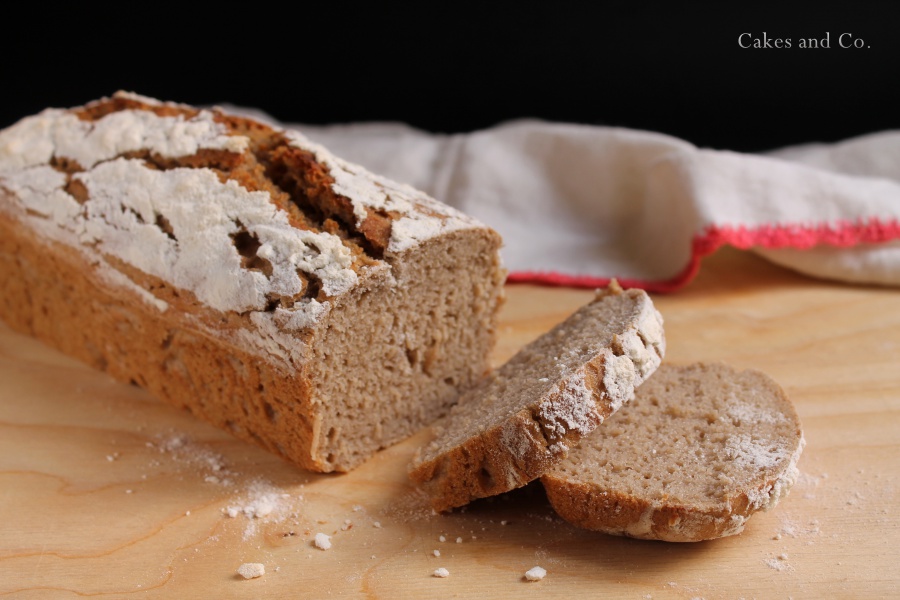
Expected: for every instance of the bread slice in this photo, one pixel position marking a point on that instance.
(696, 453)
(520, 420)
(244, 273)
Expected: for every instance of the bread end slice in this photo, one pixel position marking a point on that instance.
(696, 453)
(521, 420)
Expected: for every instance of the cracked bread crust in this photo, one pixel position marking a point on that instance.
(698, 451)
(520, 420)
(244, 273)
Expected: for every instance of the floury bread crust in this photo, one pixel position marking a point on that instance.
(696, 453)
(244, 273)
(520, 421)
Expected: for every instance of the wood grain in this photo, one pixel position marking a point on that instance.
(105, 491)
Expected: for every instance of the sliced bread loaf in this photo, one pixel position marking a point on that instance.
(520, 420)
(698, 450)
(244, 273)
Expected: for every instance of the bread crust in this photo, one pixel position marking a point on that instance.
(586, 502)
(518, 448)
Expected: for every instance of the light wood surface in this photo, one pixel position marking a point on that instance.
(105, 491)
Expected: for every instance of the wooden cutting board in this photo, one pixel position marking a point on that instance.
(105, 491)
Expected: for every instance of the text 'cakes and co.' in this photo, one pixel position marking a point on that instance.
(765, 41)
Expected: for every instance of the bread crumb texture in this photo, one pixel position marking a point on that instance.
(441, 572)
(251, 570)
(696, 453)
(519, 421)
(535, 574)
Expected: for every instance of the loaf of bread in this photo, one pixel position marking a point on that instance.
(517, 423)
(244, 273)
(696, 453)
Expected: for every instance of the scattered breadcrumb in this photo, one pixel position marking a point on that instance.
(459, 540)
(535, 574)
(442, 539)
(442, 572)
(779, 563)
(437, 552)
(377, 524)
(322, 541)
(251, 570)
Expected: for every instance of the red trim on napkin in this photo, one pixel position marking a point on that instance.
(842, 234)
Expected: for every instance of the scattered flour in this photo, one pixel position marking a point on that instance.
(779, 563)
(182, 450)
(261, 503)
(793, 529)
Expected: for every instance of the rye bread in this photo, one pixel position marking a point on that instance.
(244, 273)
(519, 421)
(697, 451)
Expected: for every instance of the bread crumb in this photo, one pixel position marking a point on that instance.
(322, 541)
(251, 570)
(442, 572)
(377, 524)
(442, 538)
(459, 540)
(437, 552)
(535, 574)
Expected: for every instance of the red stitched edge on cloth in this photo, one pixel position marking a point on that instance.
(842, 234)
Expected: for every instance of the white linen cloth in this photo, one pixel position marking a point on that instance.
(579, 204)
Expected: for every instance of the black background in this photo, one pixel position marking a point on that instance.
(455, 68)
